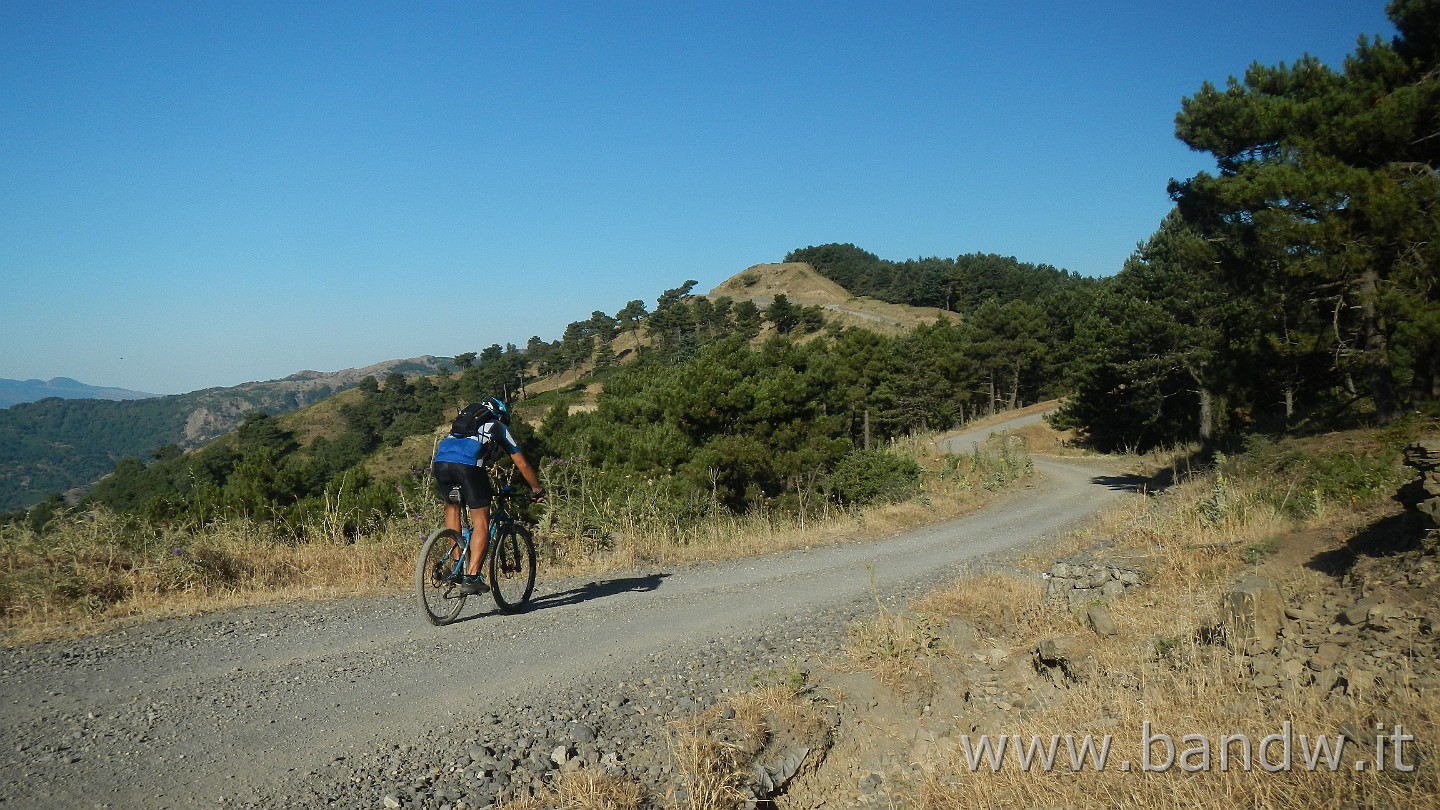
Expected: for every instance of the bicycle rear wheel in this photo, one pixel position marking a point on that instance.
(512, 567)
(440, 597)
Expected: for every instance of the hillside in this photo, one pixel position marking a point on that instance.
(15, 392)
(388, 430)
(56, 445)
(757, 284)
(800, 283)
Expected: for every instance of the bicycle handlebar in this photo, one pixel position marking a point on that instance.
(510, 490)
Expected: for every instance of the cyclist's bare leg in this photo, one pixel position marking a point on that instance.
(452, 517)
(479, 537)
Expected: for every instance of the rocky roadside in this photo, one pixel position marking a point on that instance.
(1370, 633)
(1375, 627)
(620, 728)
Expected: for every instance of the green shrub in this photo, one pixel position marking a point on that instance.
(1311, 474)
(871, 476)
(1003, 458)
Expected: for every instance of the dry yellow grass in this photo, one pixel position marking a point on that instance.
(1186, 730)
(802, 285)
(97, 573)
(1178, 709)
(321, 420)
(714, 751)
(414, 452)
(588, 789)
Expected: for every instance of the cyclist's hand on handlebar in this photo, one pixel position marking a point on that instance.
(538, 496)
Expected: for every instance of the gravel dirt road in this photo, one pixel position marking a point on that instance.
(357, 703)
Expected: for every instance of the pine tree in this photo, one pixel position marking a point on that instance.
(1326, 204)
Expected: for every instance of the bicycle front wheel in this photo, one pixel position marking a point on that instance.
(512, 567)
(440, 597)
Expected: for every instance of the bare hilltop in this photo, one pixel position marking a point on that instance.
(803, 285)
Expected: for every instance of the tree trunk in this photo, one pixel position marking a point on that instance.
(1377, 355)
(1207, 416)
(867, 429)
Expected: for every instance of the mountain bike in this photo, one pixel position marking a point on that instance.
(445, 556)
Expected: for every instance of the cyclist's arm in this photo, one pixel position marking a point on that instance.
(526, 471)
(508, 443)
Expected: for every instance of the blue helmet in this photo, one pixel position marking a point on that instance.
(497, 409)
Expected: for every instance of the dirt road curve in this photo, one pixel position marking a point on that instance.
(182, 713)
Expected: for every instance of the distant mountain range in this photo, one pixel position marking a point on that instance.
(14, 392)
(57, 445)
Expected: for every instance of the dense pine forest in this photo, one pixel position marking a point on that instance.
(1292, 289)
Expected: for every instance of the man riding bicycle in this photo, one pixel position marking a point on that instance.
(477, 437)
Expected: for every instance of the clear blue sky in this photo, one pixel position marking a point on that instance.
(198, 194)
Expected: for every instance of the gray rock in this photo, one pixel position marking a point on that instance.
(1359, 612)
(1301, 614)
(1326, 656)
(1254, 611)
(1067, 654)
(1326, 679)
(1101, 621)
(1383, 616)
(580, 733)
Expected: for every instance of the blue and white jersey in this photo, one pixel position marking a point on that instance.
(482, 448)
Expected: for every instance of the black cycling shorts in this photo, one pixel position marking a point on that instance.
(474, 484)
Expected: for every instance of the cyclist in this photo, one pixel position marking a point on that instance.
(478, 437)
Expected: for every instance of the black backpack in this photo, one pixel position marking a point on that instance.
(469, 421)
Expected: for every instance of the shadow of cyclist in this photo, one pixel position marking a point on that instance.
(583, 593)
(597, 590)
(1141, 484)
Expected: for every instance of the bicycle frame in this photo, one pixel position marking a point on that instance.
(499, 516)
(509, 559)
